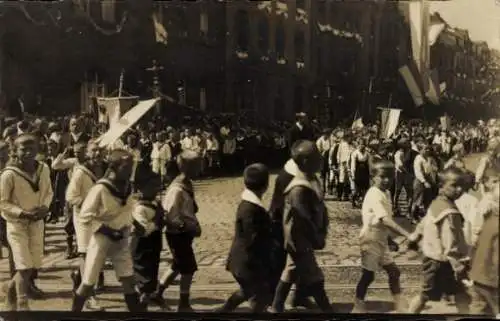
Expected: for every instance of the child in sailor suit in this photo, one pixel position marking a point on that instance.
(25, 199)
(108, 210)
(82, 180)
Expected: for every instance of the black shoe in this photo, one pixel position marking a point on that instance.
(133, 302)
(100, 283)
(35, 293)
(78, 303)
(159, 301)
(303, 303)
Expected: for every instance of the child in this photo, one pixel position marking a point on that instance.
(25, 196)
(146, 240)
(377, 222)
(467, 205)
(182, 227)
(108, 209)
(484, 267)
(84, 176)
(443, 246)
(250, 255)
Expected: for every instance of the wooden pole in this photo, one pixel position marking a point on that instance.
(122, 78)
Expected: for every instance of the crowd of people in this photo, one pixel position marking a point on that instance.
(118, 201)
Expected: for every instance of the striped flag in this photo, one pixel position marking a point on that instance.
(433, 91)
(436, 27)
(161, 34)
(413, 82)
(389, 122)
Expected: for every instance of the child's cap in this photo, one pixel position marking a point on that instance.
(256, 176)
(146, 179)
(117, 157)
(452, 174)
(380, 166)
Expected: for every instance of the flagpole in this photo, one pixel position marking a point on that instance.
(390, 101)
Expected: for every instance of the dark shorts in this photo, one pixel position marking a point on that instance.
(439, 280)
(181, 247)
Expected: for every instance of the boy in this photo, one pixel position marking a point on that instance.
(443, 246)
(484, 267)
(377, 222)
(107, 208)
(84, 176)
(250, 255)
(146, 240)
(182, 227)
(25, 194)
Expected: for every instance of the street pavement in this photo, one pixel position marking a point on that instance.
(217, 200)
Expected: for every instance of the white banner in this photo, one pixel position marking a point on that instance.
(389, 122)
(126, 122)
(434, 31)
(416, 26)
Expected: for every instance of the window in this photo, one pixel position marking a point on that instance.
(263, 40)
(241, 32)
(203, 98)
(108, 11)
(178, 21)
(280, 41)
(204, 23)
(299, 46)
(300, 4)
(321, 5)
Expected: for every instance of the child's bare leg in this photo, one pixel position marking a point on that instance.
(462, 302)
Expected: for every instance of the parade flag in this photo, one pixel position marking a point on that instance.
(112, 108)
(442, 87)
(126, 122)
(436, 27)
(445, 122)
(161, 34)
(433, 91)
(416, 26)
(412, 79)
(389, 122)
(357, 123)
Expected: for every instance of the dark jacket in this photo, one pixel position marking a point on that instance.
(484, 267)
(250, 253)
(296, 134)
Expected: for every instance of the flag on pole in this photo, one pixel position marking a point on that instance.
(389, 122)
(433, 91)
(436, 27)
(416, 26)
(357, 123)
(412, 79)
(445, 122)
(126, 122)
(161, 34)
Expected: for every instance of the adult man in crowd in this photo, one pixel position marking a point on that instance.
(301, 130)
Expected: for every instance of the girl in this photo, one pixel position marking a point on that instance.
(360, 171)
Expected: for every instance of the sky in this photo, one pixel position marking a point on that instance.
(480, 17)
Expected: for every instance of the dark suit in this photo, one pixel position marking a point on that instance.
(295, 134)
(250, 256)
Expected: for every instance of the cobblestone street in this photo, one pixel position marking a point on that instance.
(217, 200)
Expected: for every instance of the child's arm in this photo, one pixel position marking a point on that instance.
(453, 241)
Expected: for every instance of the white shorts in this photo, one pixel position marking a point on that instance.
(373, 259)
(101, 247)
(26, 242)
(83, 232)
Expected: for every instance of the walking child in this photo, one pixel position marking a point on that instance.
(107, 208)
(484, 267)
(249, 259)
(84, 176)
(26, 194)
(378, 221)
(445, 262)
(146, 237)
(182, 227)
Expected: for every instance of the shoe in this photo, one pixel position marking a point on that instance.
(303, 303)
(159, 301)
(35, 293)
(359, 306)
(185, 308)
(400, 305)
(100, 283)
(92, 305)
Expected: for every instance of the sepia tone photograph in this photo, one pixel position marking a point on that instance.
(251, 157)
